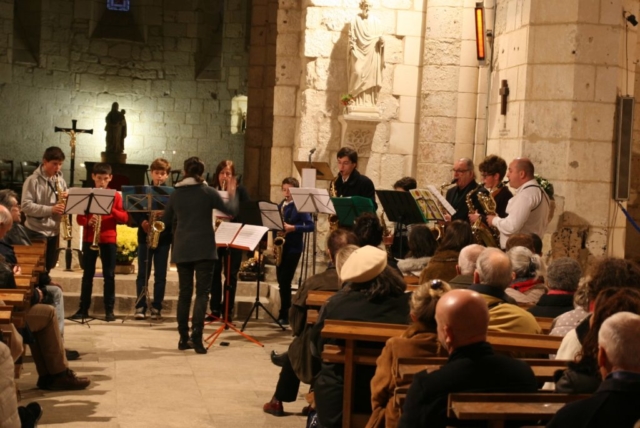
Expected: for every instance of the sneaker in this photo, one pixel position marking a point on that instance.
(109, 316)
(155, 314)
(80, 315)
(67, 380)
(140, 314)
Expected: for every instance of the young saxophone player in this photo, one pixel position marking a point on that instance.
(100, 231)
(153, 247)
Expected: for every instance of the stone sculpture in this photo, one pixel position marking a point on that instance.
(116, 127)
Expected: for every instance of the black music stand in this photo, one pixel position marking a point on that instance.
(261, 214)
(85, 201)
(400, 208)
(145, 199)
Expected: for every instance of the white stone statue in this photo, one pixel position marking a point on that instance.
(366, 58)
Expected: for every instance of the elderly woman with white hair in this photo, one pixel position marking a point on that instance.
(529, 270)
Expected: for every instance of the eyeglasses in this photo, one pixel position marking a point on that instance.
(461, 171)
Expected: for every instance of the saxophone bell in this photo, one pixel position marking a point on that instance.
(97, 226)
(65, 224)
(156, 227)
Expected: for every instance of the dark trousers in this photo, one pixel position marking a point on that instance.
(285, 273)
(203, 270)
(222, 264)
(288, 383)
(51, 255)
(160, 259)
(107, 255)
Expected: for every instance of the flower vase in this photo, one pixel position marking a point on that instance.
(125, 268)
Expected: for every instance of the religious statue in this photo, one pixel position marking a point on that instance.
(366, 58)
(116, 128)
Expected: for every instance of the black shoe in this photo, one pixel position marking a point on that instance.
(185, 343)
(80, 315)
(109, 316)
(283, 322)
(71, 354)
(278, 359)
(43, 381)
(30, 415)
(197, 345)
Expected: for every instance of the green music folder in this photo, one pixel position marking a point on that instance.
(348, 209)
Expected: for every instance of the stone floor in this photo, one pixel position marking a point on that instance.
(140, 379)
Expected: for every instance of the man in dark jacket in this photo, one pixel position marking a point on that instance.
(462, 318)
(465, 181)
(563, 276)
(349, 181)
(615, 403)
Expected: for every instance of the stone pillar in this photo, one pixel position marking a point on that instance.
(565, 66)
(6, 40)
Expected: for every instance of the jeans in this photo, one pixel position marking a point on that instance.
(108, 257)
(203, 270)
(285, 273)
(216, 287)
(160, 259)
(58, 304)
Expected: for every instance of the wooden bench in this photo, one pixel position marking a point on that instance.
(35, 250)
(545, 324)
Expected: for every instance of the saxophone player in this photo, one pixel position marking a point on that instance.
(42, 203)
(464, 180)
(349, 181)
(159, 256)
(295, 224)
(493, 169)
(106, 239)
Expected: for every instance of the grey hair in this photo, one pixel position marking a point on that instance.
(5, 215)
(468, 257)
(6, 196)
(619, 335)
(526, 264)
(581, 297)
(564, 274)
(494, 268)
(469, 164)
(342, 256)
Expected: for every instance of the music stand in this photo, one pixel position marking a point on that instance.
(400, 208)
(348, 209)
(145, 199)
(85, 201)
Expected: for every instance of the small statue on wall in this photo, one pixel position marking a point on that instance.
(366, 58)
(116, 128)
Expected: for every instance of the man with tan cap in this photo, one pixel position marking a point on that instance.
(372, 292)
(528, 210)
(462, 318)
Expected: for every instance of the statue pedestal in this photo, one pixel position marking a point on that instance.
(358, 130)
(113, 158)
(123, 175)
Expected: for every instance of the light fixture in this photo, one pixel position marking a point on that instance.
(480, 41)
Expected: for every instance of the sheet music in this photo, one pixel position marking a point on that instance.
(312, 200)
(249, 237)
(226, 232)
(271, 215)
(447, 206)
(217, 213)
(81, 200)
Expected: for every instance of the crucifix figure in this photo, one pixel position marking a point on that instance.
(504, 94)
(72, 132)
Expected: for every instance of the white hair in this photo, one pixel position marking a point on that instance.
(468, 257)
(619, 336)
(525, 264)
(494, 268)
(5, 215)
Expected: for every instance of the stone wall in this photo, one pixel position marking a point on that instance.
(169, 112)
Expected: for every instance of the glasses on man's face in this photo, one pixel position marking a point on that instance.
(459, 171)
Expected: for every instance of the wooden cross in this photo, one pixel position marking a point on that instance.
(504, 94)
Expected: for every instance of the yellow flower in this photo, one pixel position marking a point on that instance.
(126, 243)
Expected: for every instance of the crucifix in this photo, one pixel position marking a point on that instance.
(504, 94)
(72, 132)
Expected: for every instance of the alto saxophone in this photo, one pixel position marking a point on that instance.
(481, 232)
(439, 227)
(387, 234)
(96, 233)
(333, 218)
(278, 243)
(65, 224)
(156, 227)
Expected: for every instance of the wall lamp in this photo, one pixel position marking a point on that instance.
(630, 18)
(480, 32)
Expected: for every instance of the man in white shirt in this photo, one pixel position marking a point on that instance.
(528, 210)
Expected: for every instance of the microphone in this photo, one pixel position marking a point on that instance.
(455, 180)
(312, 151)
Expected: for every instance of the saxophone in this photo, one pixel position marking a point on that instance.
(387, 235)
(96, 233)
(483, 234)
(439, 227)
(156, 228)
(334, 223)
(65, 224)
(278, 243)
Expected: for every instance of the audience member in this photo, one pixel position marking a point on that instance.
(537, 244)
(370, 232)
(422, 245)
(566, 322)
(529, 269)
(582, 377)
(466, 266)
(520, 240)
(373, 292)
(10, 414)
(419, 340)
(492, 277)
(297, 363)
(563, 276)
(615, 402)
(443, 263)
(462, 319)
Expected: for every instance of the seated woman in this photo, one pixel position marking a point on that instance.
(372, 292)
(563, 276)
(422, 245)
(369, 231)
(443, 263)
(529, 269)
(583, 375)
(419, 340)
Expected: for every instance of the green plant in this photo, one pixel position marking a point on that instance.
(346, 99)
(126, 243)
(546, 185)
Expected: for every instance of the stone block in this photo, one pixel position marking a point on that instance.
(437, 130)
(468, 53)
(412, 50)
(443, 22)
(593, 121)
(610, 12)
(518, 53)
(439, 78)
(397, 4)
(288, 44)
(284, 101)
(605, 83)
(402, 138)
(289, 21)
(548, 119)
(442, 52)
(406, 80)
(555, 44)
(465, 131)
(120, 51)
(550, 157)
(437, 153)
(598, 44)
(287, 71)
(183, 89)
(409, 23)
(165, 104)
(408, 108)
(284, 131)
(468, 79)
(323, 43)
(589, 11)
(118, 85)
(549, 11)
(467, 105)
(91, 83)
(443, 104)
(551, 82)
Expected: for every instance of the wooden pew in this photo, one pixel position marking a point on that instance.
(496, 409)
(34, 250)
(545, 324)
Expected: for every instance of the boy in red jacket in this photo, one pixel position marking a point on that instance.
(101, 175)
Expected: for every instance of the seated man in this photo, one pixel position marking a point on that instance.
(615, 401)
(466, 266)
(492, 276)
(462, 318)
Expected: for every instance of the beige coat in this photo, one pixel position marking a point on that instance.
(414, 342)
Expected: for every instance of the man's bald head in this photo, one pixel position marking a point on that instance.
(462, 318)
(525, 165)
(468, 257)
(520, 171)
(493, 267)
(6, 221)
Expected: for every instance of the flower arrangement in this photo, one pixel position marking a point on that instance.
(346, 99)
(546, 185)
(126, 243)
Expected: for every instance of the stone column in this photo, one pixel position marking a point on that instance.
(6, 40)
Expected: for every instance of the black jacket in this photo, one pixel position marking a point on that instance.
(458, 199)
(471, 368)
(357, 185)
(552, 306)
(614, 404)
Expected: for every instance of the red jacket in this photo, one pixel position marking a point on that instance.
(108, 227)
